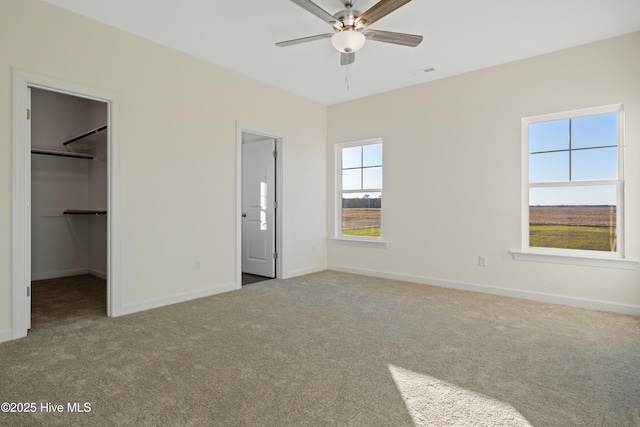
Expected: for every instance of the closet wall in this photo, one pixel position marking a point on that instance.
(65, 245)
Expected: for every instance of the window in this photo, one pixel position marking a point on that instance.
(573, 195)
(359, 189)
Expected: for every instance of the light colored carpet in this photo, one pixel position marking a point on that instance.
(332, 349)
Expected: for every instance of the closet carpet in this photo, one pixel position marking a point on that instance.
(329, 349)
(67, 301)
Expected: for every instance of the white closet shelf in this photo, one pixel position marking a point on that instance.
(91, 132)
(85, 212)
(61, 153)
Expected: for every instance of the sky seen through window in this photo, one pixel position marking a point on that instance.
(572, 150)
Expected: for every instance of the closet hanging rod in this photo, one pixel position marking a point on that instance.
(62, 153)
(91, 132)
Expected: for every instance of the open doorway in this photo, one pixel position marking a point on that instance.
(260, 205)
(69, 171)
(39, 169)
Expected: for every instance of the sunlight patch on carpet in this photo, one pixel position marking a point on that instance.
(432, 402)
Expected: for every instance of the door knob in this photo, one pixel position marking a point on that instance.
(244, 214)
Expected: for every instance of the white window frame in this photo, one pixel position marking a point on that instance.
(338, 236)
(574, 256)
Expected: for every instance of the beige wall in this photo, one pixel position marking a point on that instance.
(452, 183)
(178, 151)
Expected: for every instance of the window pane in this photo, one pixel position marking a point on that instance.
(549, 136)
(372, 177)
(351, 179)
(549, 167)
(582, 218)
(362, 214)
(594, 131)
(361, 173)
(352, 157)
(372, 155)
(597, 163)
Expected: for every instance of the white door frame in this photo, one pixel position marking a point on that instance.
(280, 211)
(21, 186)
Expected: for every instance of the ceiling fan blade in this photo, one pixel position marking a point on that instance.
(377, 11)
(391, 37)
(304, 40)
(347, 58)
(316, 10)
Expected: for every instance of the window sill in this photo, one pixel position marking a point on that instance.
(623, 264)
(382, 244)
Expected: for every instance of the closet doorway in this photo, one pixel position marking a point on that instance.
(69, 200)
(66, 193)
(260, 205)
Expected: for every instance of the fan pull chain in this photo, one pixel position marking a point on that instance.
(346, 76)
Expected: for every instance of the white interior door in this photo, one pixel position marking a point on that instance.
(258, 208)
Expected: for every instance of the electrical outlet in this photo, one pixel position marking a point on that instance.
(198, 264)
(482, 261)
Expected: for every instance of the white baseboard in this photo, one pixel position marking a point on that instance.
(514, 293)
(6, 335)
(68, 273)
(98, 273)
(174, 299)
(60, 273)
(303, 271)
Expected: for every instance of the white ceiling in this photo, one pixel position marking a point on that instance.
(459, 36)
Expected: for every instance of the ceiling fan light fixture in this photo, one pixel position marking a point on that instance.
(348, 41)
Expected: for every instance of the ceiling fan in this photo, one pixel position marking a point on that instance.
(351, 27)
